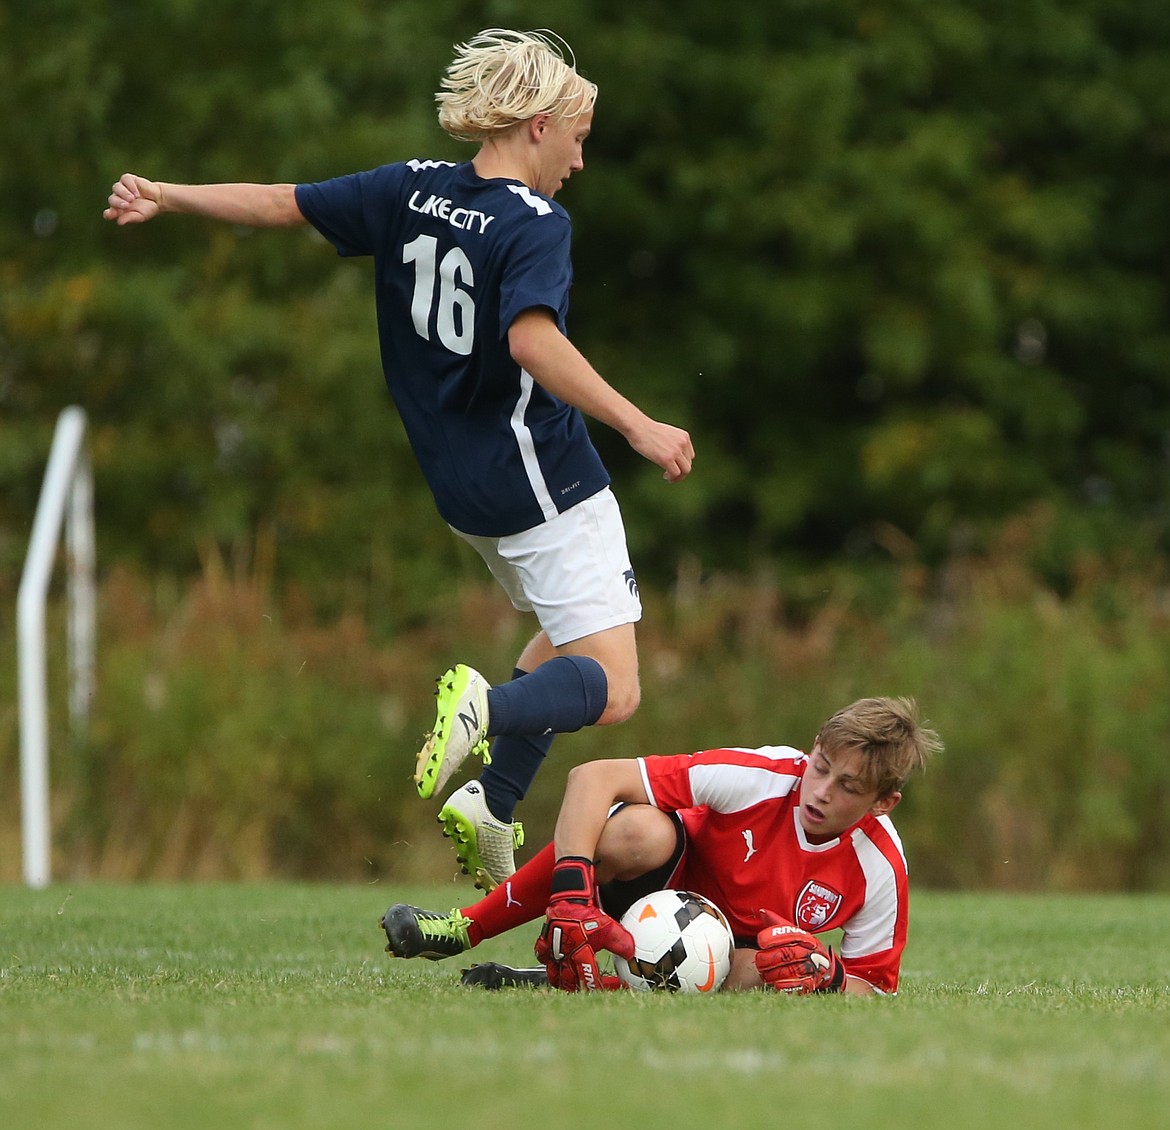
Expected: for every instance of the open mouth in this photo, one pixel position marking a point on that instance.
(814, 814)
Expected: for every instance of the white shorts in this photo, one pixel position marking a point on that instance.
(574, 571)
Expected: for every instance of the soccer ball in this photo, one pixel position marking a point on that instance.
(682, 944)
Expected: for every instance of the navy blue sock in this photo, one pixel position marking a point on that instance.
(517, 757)
(561, 695)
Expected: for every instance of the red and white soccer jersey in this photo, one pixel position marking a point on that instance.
(747, 852)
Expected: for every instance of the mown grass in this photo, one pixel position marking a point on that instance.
(274, 1006)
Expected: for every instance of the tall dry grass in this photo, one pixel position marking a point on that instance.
(235, 735)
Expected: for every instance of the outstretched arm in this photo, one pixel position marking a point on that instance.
(538, 346)
(134, 200)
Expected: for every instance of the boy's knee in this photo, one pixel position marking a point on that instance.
(636, 839)
(621, 702)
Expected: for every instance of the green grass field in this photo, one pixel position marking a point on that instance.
(274, 1006)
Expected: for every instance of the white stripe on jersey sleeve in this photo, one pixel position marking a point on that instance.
(871, 929)
(728, 787)
(528, 449)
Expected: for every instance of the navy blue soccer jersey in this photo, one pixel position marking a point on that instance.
(456, 259)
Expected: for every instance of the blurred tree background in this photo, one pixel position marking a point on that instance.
(900, 266)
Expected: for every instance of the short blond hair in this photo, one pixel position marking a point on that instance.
(887, 731)
(499, 78)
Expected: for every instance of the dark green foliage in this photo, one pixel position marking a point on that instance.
(901, 267)
(896, 265)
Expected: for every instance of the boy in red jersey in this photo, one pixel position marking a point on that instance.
(788, 845)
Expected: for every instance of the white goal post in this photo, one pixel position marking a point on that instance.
(66, 499)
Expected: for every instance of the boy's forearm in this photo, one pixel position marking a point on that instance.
(558, 366)
(590, 791)
(253, 205)
(581, 819)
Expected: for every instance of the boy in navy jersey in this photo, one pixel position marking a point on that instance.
(471, 283)
(787, 845)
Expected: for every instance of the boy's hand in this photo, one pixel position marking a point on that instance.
(133, 200)
(576, 928)
(791, 960)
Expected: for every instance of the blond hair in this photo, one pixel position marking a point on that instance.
(499, 78)
(887, 731)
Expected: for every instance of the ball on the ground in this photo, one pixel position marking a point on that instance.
(682, 941)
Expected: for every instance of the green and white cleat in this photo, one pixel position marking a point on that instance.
(413, 932)
(461, 722)
(484, 845)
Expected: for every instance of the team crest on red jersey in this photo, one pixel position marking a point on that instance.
(816, 906)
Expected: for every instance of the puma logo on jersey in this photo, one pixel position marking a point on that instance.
(466, 219)
(749, 843)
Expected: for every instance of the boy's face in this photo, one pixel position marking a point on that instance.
(834, 796)
(561, 142)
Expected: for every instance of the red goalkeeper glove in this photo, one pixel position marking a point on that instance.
(576, 928)
(791, 960)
